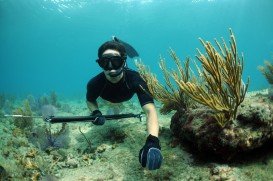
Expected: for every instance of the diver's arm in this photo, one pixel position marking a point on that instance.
(150, 154)
(94, 109)
(92, 106)
(152, 121)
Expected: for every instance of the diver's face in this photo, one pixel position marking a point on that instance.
(114, 64)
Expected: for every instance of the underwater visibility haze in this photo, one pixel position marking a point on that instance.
(48, 52)
(51, 45)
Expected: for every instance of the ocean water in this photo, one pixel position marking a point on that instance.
(51, 45)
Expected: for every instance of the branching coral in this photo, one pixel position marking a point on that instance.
(46, 138)
(58, 139)
(25, 122)
(223, 89)
(170, 97)
(267, 71)
(220, 85)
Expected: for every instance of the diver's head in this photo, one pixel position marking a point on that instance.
(112, 57)
(112, 45)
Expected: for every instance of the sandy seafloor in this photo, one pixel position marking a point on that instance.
(117, 159)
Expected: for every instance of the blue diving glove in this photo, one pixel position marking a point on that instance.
(100, 119)
(150, 155)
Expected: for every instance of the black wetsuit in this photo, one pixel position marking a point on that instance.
(121, 91)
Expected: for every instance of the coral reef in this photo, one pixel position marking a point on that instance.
(7, 103)
(243, 126)
(219, 121)
(19, 159)
(25, 122)
(172, 98)
(28, 149)
(37, 103)
(221, 87)
(114, 150)
(267, 71)
(47, 138)
(252, 128)
(54, 99)
(48, 111)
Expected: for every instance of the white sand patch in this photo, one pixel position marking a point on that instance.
(253, 93)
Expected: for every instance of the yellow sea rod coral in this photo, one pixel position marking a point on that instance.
(223, 89)
(267, 71)
(218, 86)
(171, 97)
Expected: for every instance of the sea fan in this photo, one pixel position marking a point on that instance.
(45, 137)
(48, 111)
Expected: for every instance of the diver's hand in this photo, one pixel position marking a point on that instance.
(150, 155)
(100, 119)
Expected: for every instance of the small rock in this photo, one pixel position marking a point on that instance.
(72, 163)
(101, 148)
(215, 178)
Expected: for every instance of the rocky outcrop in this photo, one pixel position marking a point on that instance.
(252, 128)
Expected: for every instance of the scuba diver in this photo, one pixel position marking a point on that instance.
(117, 84)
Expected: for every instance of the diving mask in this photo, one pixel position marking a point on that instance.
(111, 62)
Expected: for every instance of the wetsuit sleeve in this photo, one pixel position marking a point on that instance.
(142, 91)
(93, 89)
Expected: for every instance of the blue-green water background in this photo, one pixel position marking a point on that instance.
(51, 45)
